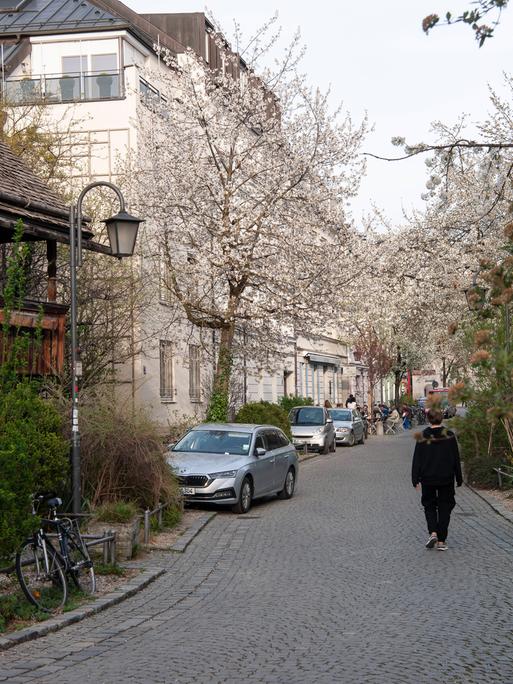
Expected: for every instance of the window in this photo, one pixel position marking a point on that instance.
(207, 48)
(259, 441)
(74, 65)
(220, 442)
(307, 415)
(165, 292)
(195, 372)
(104, 63)
(167, 379)
(275, 440)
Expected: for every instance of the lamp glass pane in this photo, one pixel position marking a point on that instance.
(127, 235)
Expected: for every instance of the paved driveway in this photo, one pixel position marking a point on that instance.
(333, 586)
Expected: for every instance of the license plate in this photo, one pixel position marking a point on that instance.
(188, 490)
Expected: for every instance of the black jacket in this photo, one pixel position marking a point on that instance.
(436, 460)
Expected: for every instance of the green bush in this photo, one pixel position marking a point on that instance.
(116, 512)
(291, 400)
(171, 516)
(34, 457)
(14, 607)
(264, 413)
(473, 431)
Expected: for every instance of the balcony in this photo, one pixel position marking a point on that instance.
(58, 88)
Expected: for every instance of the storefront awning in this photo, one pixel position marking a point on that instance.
(325, 360)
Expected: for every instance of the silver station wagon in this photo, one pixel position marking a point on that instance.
(232, 463)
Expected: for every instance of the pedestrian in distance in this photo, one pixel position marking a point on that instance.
(436, 464)
(351, 402)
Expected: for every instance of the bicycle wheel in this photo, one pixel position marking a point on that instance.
(81, 567)
(44, 586)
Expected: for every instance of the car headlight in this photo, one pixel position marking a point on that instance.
(343, 430)
(319, 431)
(223, 475)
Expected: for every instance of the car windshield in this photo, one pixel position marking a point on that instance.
(341, 414)
(215, 442)
(307, 415)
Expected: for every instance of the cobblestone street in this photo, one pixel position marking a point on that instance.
(333, 586)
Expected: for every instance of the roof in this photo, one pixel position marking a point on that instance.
(45, 17)
(25, 196)
(236, 427)
(54, 16)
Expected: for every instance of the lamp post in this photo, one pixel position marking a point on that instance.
(122, 231)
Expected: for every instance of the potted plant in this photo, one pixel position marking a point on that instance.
(67, 84)
(104, 83)
(28, 89)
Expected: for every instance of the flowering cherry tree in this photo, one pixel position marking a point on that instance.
(247, 180)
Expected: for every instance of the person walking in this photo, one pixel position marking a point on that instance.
(436, 464)
(351, 402)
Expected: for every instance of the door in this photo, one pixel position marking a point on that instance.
(358, 426)
(262, 468)
(281, 448)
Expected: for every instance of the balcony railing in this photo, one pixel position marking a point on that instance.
(56, 88)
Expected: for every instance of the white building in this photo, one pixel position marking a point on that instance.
(85, 60)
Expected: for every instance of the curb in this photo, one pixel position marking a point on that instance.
(307, 457)
(498, 507)
(60, 621)
(191, 532)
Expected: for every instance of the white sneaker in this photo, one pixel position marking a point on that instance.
(442, 546)
(431, 541)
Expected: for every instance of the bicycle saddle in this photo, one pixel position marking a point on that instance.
(54, 503)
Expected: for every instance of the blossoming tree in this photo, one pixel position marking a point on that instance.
(247, 180)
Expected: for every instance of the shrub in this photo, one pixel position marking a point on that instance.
(34, 457)
(290, 401)
(116, 512)
(15, 607)
(123, 456)
(263, 412)
(171, 516)
(480, 453)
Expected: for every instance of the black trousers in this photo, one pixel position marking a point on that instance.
(438, 502)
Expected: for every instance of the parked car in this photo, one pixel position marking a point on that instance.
(231, 463)
(349, 426)
(312, 426)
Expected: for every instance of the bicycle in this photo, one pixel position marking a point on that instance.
(42, 568)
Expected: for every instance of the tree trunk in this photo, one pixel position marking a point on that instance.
(398, 376)
(219, 400)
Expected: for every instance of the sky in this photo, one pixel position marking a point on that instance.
(378, 62)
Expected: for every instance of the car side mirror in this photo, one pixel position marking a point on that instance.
(259, 451)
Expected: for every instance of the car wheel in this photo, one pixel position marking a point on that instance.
(246, 494)
(351, 440)
(289, 486)
(362, 441)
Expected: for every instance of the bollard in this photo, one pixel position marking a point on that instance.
(379, 428)
(159, 517)
(147, 514)
(113, 548)
(305, 449)
(105, 549)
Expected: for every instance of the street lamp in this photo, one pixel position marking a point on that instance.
(122, 231)
(475, 295)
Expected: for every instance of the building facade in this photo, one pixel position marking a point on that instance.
(87, 63)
